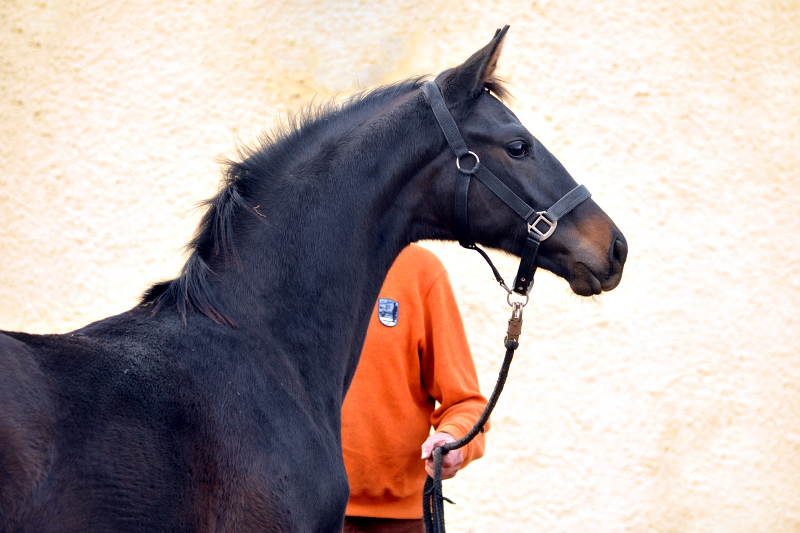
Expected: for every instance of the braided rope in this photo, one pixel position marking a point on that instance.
(432, 497)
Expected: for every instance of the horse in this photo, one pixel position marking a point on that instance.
(214, 403)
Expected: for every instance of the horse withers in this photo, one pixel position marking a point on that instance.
(214, 404)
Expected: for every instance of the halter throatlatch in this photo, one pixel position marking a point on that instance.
(541, 224)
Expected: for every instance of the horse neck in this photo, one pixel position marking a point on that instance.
(310, 269)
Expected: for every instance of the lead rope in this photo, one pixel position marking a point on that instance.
(432, 497)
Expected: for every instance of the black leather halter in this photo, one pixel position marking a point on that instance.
(541, 224)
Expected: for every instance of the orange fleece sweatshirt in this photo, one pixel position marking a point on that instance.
(415, 355)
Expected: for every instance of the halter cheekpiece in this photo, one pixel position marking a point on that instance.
(541, 224)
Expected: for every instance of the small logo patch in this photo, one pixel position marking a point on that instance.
(387, 311)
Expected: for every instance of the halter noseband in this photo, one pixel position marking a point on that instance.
(541, 224)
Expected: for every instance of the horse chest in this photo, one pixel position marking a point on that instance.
(297, 485)
(260, 469)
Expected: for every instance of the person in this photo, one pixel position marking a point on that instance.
(415, 356)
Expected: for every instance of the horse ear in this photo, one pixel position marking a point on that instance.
(469, 79)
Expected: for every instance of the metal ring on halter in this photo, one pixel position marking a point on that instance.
(508, 299)
(477, 163)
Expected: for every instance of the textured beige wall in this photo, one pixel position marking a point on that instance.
(669, 405)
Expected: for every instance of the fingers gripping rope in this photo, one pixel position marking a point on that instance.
(432, 498)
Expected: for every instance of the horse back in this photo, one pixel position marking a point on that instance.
(127, 425)
(26, 426)
(83, 440)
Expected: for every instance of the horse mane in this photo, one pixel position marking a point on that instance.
(214, 236)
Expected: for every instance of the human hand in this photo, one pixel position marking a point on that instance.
(450, 462)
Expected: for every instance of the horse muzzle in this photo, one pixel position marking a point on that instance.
(589, 278)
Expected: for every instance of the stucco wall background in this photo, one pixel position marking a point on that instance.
(669, 405)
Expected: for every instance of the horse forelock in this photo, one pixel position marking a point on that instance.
(497, 86)
(256, 170)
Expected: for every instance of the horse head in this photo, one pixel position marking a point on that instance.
(585, 246)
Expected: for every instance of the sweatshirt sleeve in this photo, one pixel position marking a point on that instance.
(448, 371)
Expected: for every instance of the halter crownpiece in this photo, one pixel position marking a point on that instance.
(541, 224)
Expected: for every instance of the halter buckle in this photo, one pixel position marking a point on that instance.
(551, 226)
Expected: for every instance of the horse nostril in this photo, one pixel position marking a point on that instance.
(619, 252)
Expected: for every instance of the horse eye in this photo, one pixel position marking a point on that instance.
(517, 149)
